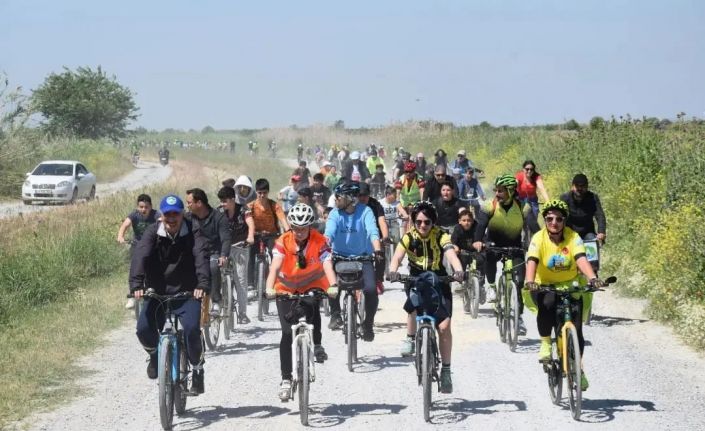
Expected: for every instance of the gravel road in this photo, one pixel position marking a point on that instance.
(145, 173)
(641, 378)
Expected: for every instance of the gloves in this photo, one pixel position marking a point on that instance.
(332, 291)
(270, 293)
(459, 276)
(379, 257)
(394, 276)
(597, 283)
(531, 286)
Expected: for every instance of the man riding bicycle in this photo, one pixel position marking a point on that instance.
(351, 230)
(555, 256)
(172, 257)
(301, 262)
(425, 246)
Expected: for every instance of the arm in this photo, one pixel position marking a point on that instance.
(483, 219)
(480, 192)
(140, 254)
(329, 271)
(283, 224)
(202, 264)
(583, 265)
(250, 222)
(226, 238)
(531, 269)
(541, 189)
(397, 258)
(368, 221)
(452, 258)
(384, 229)
(601, 220)
(274, 268)
(123, 227)
(402, 211)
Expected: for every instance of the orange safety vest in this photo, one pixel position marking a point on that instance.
(293, 279)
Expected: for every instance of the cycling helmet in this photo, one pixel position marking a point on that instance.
(355, 155)
(555, 205)
(506, 180)
(300, 215)
(427, 208)
(347, 189)
(409, 167)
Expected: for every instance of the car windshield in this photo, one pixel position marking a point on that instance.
(59, 169)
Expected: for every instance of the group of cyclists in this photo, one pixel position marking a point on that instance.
(432, 216)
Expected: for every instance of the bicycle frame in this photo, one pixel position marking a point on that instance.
(425, 321)
(303, 333)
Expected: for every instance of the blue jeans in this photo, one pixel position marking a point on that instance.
(152, 319)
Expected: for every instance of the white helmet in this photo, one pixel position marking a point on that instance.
(300, 215)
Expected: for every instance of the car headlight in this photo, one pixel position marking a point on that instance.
(63, 184)
(28, 183)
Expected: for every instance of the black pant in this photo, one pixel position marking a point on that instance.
(216, 294)
(289, 312)
(253, 260)
(369, 289)
(546, 318)
(518, 274)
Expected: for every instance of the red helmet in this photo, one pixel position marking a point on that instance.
(409, 167)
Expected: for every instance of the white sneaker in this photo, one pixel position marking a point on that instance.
(130, 304)
(215, 309)
(285, 391)
(491, 293)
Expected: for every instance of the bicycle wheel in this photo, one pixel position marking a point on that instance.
(501, 297)
(302, 371)
(361, 309)
(554, 374)
(426, 378)
(325, 303)
(467, 296)
(512, 317)
(351, 333)
(181, 387)
(211, 331)
(475, 302)
(166, 383)
(260, 290)
(228, 319)
(575, 392)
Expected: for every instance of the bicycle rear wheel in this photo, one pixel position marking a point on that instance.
(512, 317)
(351, 333)
(574, 372)
(260, 290)
(554, 374)
(302, 371)
(361, 308)
(211, 330)
(181, 387)
(166, 384)
(426, 377)
(501, 310)
(228, 319)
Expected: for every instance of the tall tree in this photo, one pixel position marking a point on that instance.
(86, 103)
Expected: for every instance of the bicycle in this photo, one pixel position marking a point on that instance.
(173, 365)
(473, 287)
(565, 339)
(210, 324)
(427, 352)
(227, 273)
(303, 356)
(507, 305)
(262, 261)
(592, 253)
(348, 270)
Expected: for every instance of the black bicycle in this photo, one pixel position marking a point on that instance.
(427, 352)
(473, 286)
(262, 262)
(349, 273)
(507, 309)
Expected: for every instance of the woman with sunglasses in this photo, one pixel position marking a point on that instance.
(425, 246)
(530, 185)
(556, 256)
(301, 261)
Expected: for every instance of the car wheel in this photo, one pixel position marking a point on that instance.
(74, 196)
(91, 195)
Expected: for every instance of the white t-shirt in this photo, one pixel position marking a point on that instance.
(391, 211)
(289, 197)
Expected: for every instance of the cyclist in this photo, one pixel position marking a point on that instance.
(503, 219)
(400, 164)
(432, 190)
(530, 184)
(140, 218)
(448, 207)
(393, 212)
(470, 190)
(462, 237)
(381, 221)
(268, 217)
(242, 228)
(300, 151)
(555, 256)
(288, 194)
(332, 178)
(214, 227)
(425, 246)
(321, 193)
(421, 164)
(351, 231)
(585, 208)
(304, 175)
(354, 169)
(172, 257)
(245, 193)
(410, 185)
(373, 160)
(301, 262)
(461, 162)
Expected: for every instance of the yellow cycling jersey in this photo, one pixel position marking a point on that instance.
(425, 254)
(556, 263)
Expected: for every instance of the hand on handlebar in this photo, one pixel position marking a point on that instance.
(531, 286)
(597, 283)
(222, 261)
(137, 294)
(478, 245)
(198, 293)
(459, 276)
(270, 293)
(394, 276)
(332, 291)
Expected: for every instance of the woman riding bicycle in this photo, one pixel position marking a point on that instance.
(425, 246)
(555, 256)
(530, 184)
(301, 261)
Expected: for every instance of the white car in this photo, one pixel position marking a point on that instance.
(58, 181)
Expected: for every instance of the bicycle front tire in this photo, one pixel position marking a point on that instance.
(426, 378)
(512, 317)
(166, 384)
(555, 374)
(181, 387)
(303, 375)
(351, 334)
(260, 291)
(211, 332)
(574, 372)
(501, 324)
(228, 321)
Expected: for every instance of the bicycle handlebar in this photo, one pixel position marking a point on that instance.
(316, 293)
(150, 293)
(405, 278)
(502, 250)
(363, 258)
(575, 288)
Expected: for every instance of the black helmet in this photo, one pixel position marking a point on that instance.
(347, 189)
(427, 208)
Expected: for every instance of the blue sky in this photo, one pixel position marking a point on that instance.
(233, 64)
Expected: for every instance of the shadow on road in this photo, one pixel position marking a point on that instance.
(202, 417)
(609, 321)
(252, 331)
(328, 415)
(383, 328)
(238, 348)
(455, 410)
(374, 363)
(598, 411)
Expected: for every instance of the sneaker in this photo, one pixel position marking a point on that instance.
(380, 288)
(243, 320)
(446, 381)
(584, 382)
(285, 390)
(197, 381)
(368, 334)
(319, 353)
(491, 293)
(408, 346)
(545, 351)
(215, 309)
(130, 304)
(152, 370)
(336, 322)
(522, 327)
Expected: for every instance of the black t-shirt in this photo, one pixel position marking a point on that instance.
(237, 224)
(447, 211)
(377, 211)
(141, 223)
(321, 193)
(462, 238)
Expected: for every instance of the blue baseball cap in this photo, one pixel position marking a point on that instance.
(171, 203)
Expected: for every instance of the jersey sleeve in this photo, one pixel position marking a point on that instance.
(445, 242)
(578, 246)
(535, 247)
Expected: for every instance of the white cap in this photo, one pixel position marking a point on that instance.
(355, 155)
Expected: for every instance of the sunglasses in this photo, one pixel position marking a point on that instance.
(551, 219)
(423, 222)
(528, 169)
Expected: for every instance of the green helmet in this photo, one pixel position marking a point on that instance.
(506, 180)
(555, 205)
